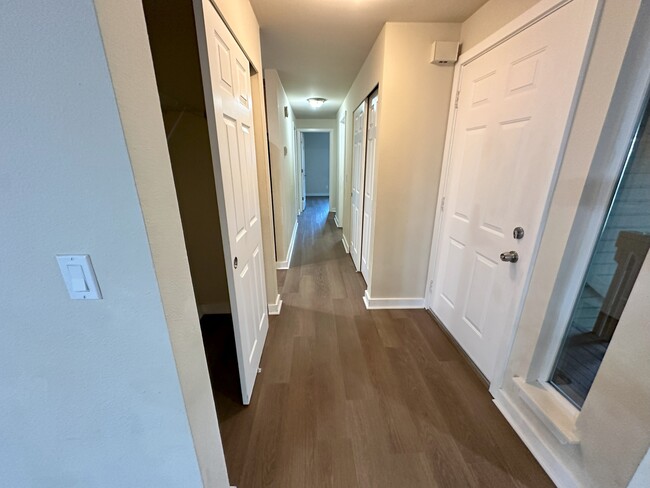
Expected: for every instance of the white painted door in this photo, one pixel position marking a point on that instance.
(358, 169)
(369, 186)
(511, 120)
(303, 172)
(226, 81)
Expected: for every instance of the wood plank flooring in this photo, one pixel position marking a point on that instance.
(354, 398)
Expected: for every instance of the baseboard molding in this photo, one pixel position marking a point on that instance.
(336, 220)
(345, 244)
(318, 195)
(286, 264)
(274, 308)
(333, 210)
(391, 303)
(550, 462)
(214, 309)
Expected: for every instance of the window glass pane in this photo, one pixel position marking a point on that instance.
(621, 249)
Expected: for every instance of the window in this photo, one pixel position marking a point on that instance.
(615, 264)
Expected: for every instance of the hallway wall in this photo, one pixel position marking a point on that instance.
(283, 164)
(414, 103)
(317, 164)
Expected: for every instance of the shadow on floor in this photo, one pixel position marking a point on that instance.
(221, 356)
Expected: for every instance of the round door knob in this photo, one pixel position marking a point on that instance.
(509, 257)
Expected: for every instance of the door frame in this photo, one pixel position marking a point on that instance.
(331, 159)
(533, 15)
(373, 170)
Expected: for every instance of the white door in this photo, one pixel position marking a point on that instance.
(226, 81)
(303, 173)
(369, 186)
(511, 120)
(358, 168)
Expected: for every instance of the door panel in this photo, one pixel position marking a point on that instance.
(226, 81)
(369, 186)
(513, 112)
(358, 181)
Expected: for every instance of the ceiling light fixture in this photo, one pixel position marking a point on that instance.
(316, 102)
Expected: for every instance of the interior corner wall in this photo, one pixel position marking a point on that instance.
(283, 162)
(489, 18)
(615, 417)
(87, 384)
(414, 98)
(333, 125)
(369, 76)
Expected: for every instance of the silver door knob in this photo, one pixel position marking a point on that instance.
(510, 256)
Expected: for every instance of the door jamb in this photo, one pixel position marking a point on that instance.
(331, 158)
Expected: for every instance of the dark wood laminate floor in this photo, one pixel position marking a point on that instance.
(349, 397)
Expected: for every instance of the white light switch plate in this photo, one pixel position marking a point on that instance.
(79, 276)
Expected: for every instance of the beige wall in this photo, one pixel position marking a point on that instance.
(614, 424)
(329, 124)
(489, 18)
(414, 100)
(414, 105)
(283, 168)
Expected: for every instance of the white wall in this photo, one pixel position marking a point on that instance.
(86, 385)
(283, 166)
(317, 164)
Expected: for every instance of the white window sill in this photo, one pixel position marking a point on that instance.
(555, 411)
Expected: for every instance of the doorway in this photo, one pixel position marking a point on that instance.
(316, 147)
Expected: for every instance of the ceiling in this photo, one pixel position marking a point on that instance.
(318, 46)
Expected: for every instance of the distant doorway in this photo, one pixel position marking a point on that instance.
(317, 164)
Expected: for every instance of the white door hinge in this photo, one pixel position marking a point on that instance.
(457, 98)
(430, 287)
(442, 204)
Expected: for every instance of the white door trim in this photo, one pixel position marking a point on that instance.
(535, 14)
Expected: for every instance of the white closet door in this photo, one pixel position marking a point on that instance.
(358, 169)
(512, 117)
(226, 81)
(369, 187)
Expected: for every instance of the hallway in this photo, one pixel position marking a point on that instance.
(350, 397)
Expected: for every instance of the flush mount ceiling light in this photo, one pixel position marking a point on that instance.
(316, 102)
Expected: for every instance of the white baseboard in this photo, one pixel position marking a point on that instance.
(274, 308)
(391, 303)
(336, 220)
(287, 263)
(214, 309)
(529, 434)
(345, 244)
(333, 209)
(318, 195)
